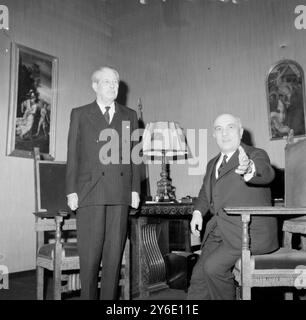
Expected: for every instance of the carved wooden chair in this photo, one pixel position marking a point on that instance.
(55, 250)
(287, 266)
(295, 196)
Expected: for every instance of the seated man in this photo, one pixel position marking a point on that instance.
(238, 176)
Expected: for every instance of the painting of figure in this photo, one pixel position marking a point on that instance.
(33, 102)
(286, 100)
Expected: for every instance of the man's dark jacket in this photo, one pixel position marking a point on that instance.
(231, 190)
(88, 174)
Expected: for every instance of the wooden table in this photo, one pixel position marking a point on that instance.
(154, 233)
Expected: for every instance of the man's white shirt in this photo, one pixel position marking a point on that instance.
(247, 177)
(111, 110)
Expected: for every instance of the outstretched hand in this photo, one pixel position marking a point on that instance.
(244, 162)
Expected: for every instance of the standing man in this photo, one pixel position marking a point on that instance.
(100, 190)
(238, 176)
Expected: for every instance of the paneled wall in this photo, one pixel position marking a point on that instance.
(78, 33)
(192, 60)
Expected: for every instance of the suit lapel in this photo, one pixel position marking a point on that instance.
(118, 116)
(209, 173)
(96, 117)
(232, 163)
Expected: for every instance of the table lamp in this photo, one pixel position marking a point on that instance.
(165, 140)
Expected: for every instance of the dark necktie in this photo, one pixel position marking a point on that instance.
(223, 163)
(106, 114)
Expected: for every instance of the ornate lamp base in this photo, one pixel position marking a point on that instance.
(165, 190)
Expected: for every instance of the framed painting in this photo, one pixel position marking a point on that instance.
(286, 100)
(33, 102)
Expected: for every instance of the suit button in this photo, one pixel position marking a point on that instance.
(121, 174)
(102, 173)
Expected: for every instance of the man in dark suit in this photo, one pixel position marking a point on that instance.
(238, 176)
(102, 182)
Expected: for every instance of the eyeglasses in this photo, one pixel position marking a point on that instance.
(109, 83)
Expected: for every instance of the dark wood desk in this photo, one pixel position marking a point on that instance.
(157, 229)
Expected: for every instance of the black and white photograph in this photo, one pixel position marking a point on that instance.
(152, 153)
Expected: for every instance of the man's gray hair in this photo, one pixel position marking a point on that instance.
(231, 115)
(95, 75)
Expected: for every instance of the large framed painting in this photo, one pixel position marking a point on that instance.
(286, 100)
(33, 102)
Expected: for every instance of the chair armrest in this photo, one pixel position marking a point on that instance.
(267, 211)
(46, 220)
(246, 212)
(48, 214)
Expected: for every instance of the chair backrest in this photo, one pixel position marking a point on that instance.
(295, 174)
(50, 191)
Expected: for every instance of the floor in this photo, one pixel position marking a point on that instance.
(22, 287)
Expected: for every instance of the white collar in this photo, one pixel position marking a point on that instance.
(103, 106)
(229, 155)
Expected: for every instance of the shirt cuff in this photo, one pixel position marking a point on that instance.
(251, 172)
(198, 212)
(71, 194)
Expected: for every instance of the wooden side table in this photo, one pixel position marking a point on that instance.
(150, 241)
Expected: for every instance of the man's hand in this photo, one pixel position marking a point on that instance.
(196, 223)
(73, 201)
(135, 200)
(245, 164)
